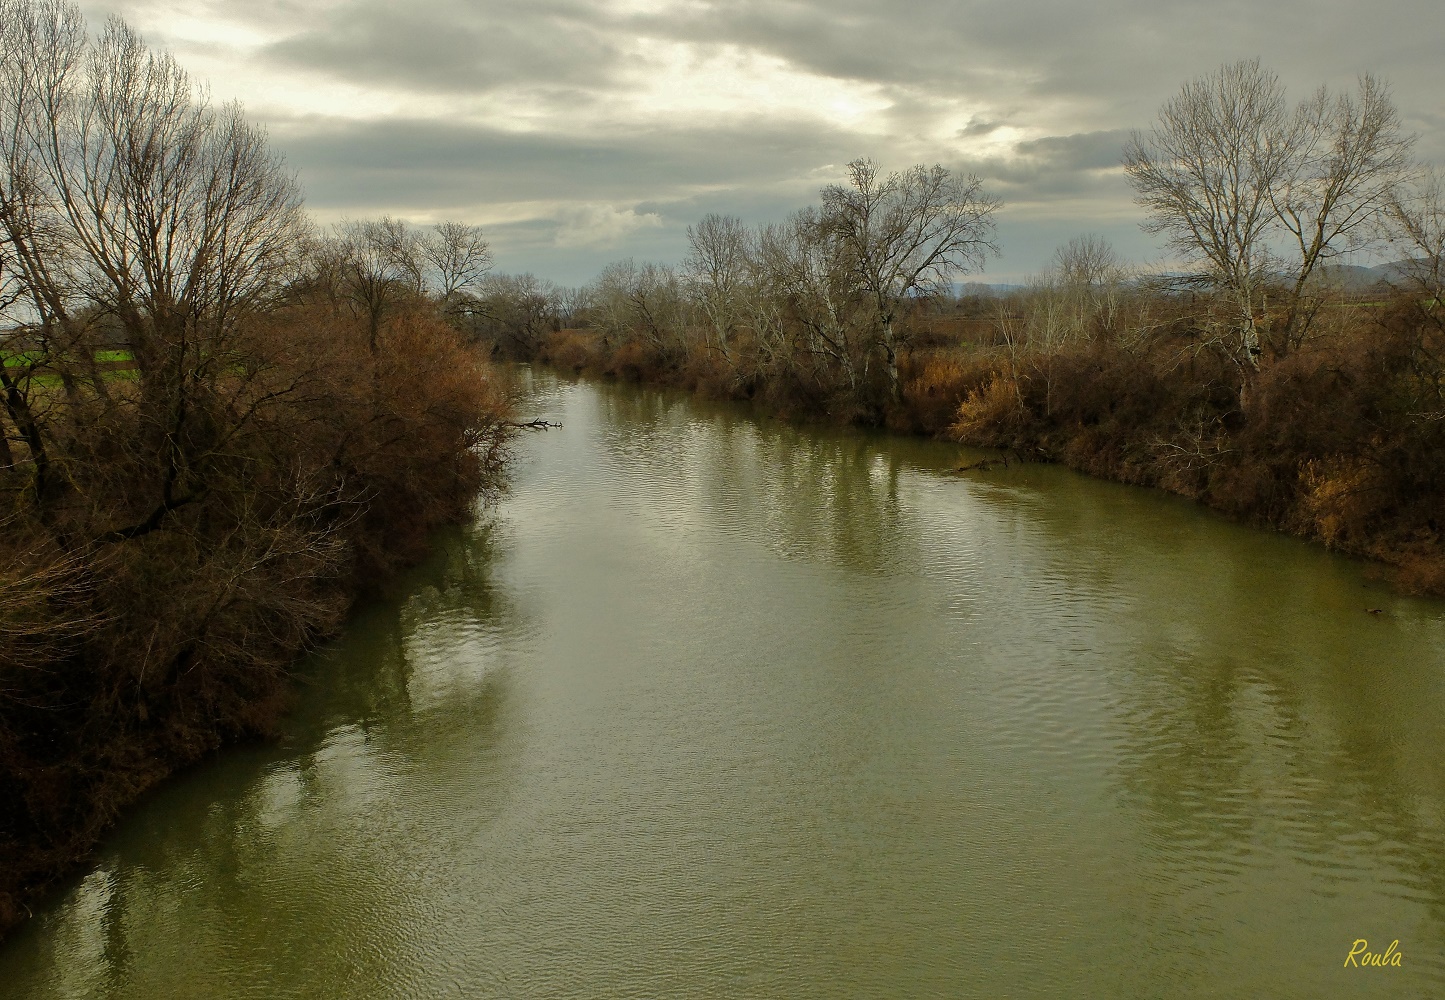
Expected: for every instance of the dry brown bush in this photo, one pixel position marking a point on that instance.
(1340, 499)
(571, 350)
(318, 467)
(935, 386)
(993, 415)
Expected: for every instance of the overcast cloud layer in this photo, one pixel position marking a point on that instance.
(580, 132)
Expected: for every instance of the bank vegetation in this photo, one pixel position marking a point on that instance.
(219, 424)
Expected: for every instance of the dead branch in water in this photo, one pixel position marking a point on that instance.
(984, 465)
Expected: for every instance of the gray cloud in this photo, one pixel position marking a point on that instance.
(456, 47)
(1112, 57)
(628, 193)
(1081, 151)
(960, 77)
(1125, 52)
(429, 163)
(979, 126)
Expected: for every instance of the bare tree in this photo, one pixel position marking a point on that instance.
(640, 300)
(379, 263)
(573, 305)
(1085, 284)
(808, 310)
(42, 49)
(1352, 154)
(1417, 216)
(715, 269)
(1417, 221)
(518, 309)
(1207, 174)
(180, 212)
(459, 256)
(1259, 195)
(906, 233)
(129, 204)
(1087, 261)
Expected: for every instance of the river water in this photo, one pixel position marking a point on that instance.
(714, 706)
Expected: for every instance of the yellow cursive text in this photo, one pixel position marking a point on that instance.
(1361, 956)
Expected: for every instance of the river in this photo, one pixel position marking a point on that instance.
(717, 706)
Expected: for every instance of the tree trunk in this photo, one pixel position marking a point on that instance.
(890, 356)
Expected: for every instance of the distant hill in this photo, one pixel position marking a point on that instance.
(982, 289)
(1362, 279)
(1352, 278)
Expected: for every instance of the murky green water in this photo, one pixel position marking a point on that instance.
(715, 707)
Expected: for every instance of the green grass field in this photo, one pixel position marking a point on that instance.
(118, 364)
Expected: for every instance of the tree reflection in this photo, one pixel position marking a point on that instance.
(807, 493)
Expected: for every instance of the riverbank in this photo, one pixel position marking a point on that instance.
(219, 424)
(127, 654)
(1339, 442)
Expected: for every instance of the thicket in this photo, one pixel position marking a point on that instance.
(219, 425)
(1341, 440)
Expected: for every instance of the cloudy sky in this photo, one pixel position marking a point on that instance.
(581, 131)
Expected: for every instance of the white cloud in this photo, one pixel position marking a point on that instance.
(601, 226)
